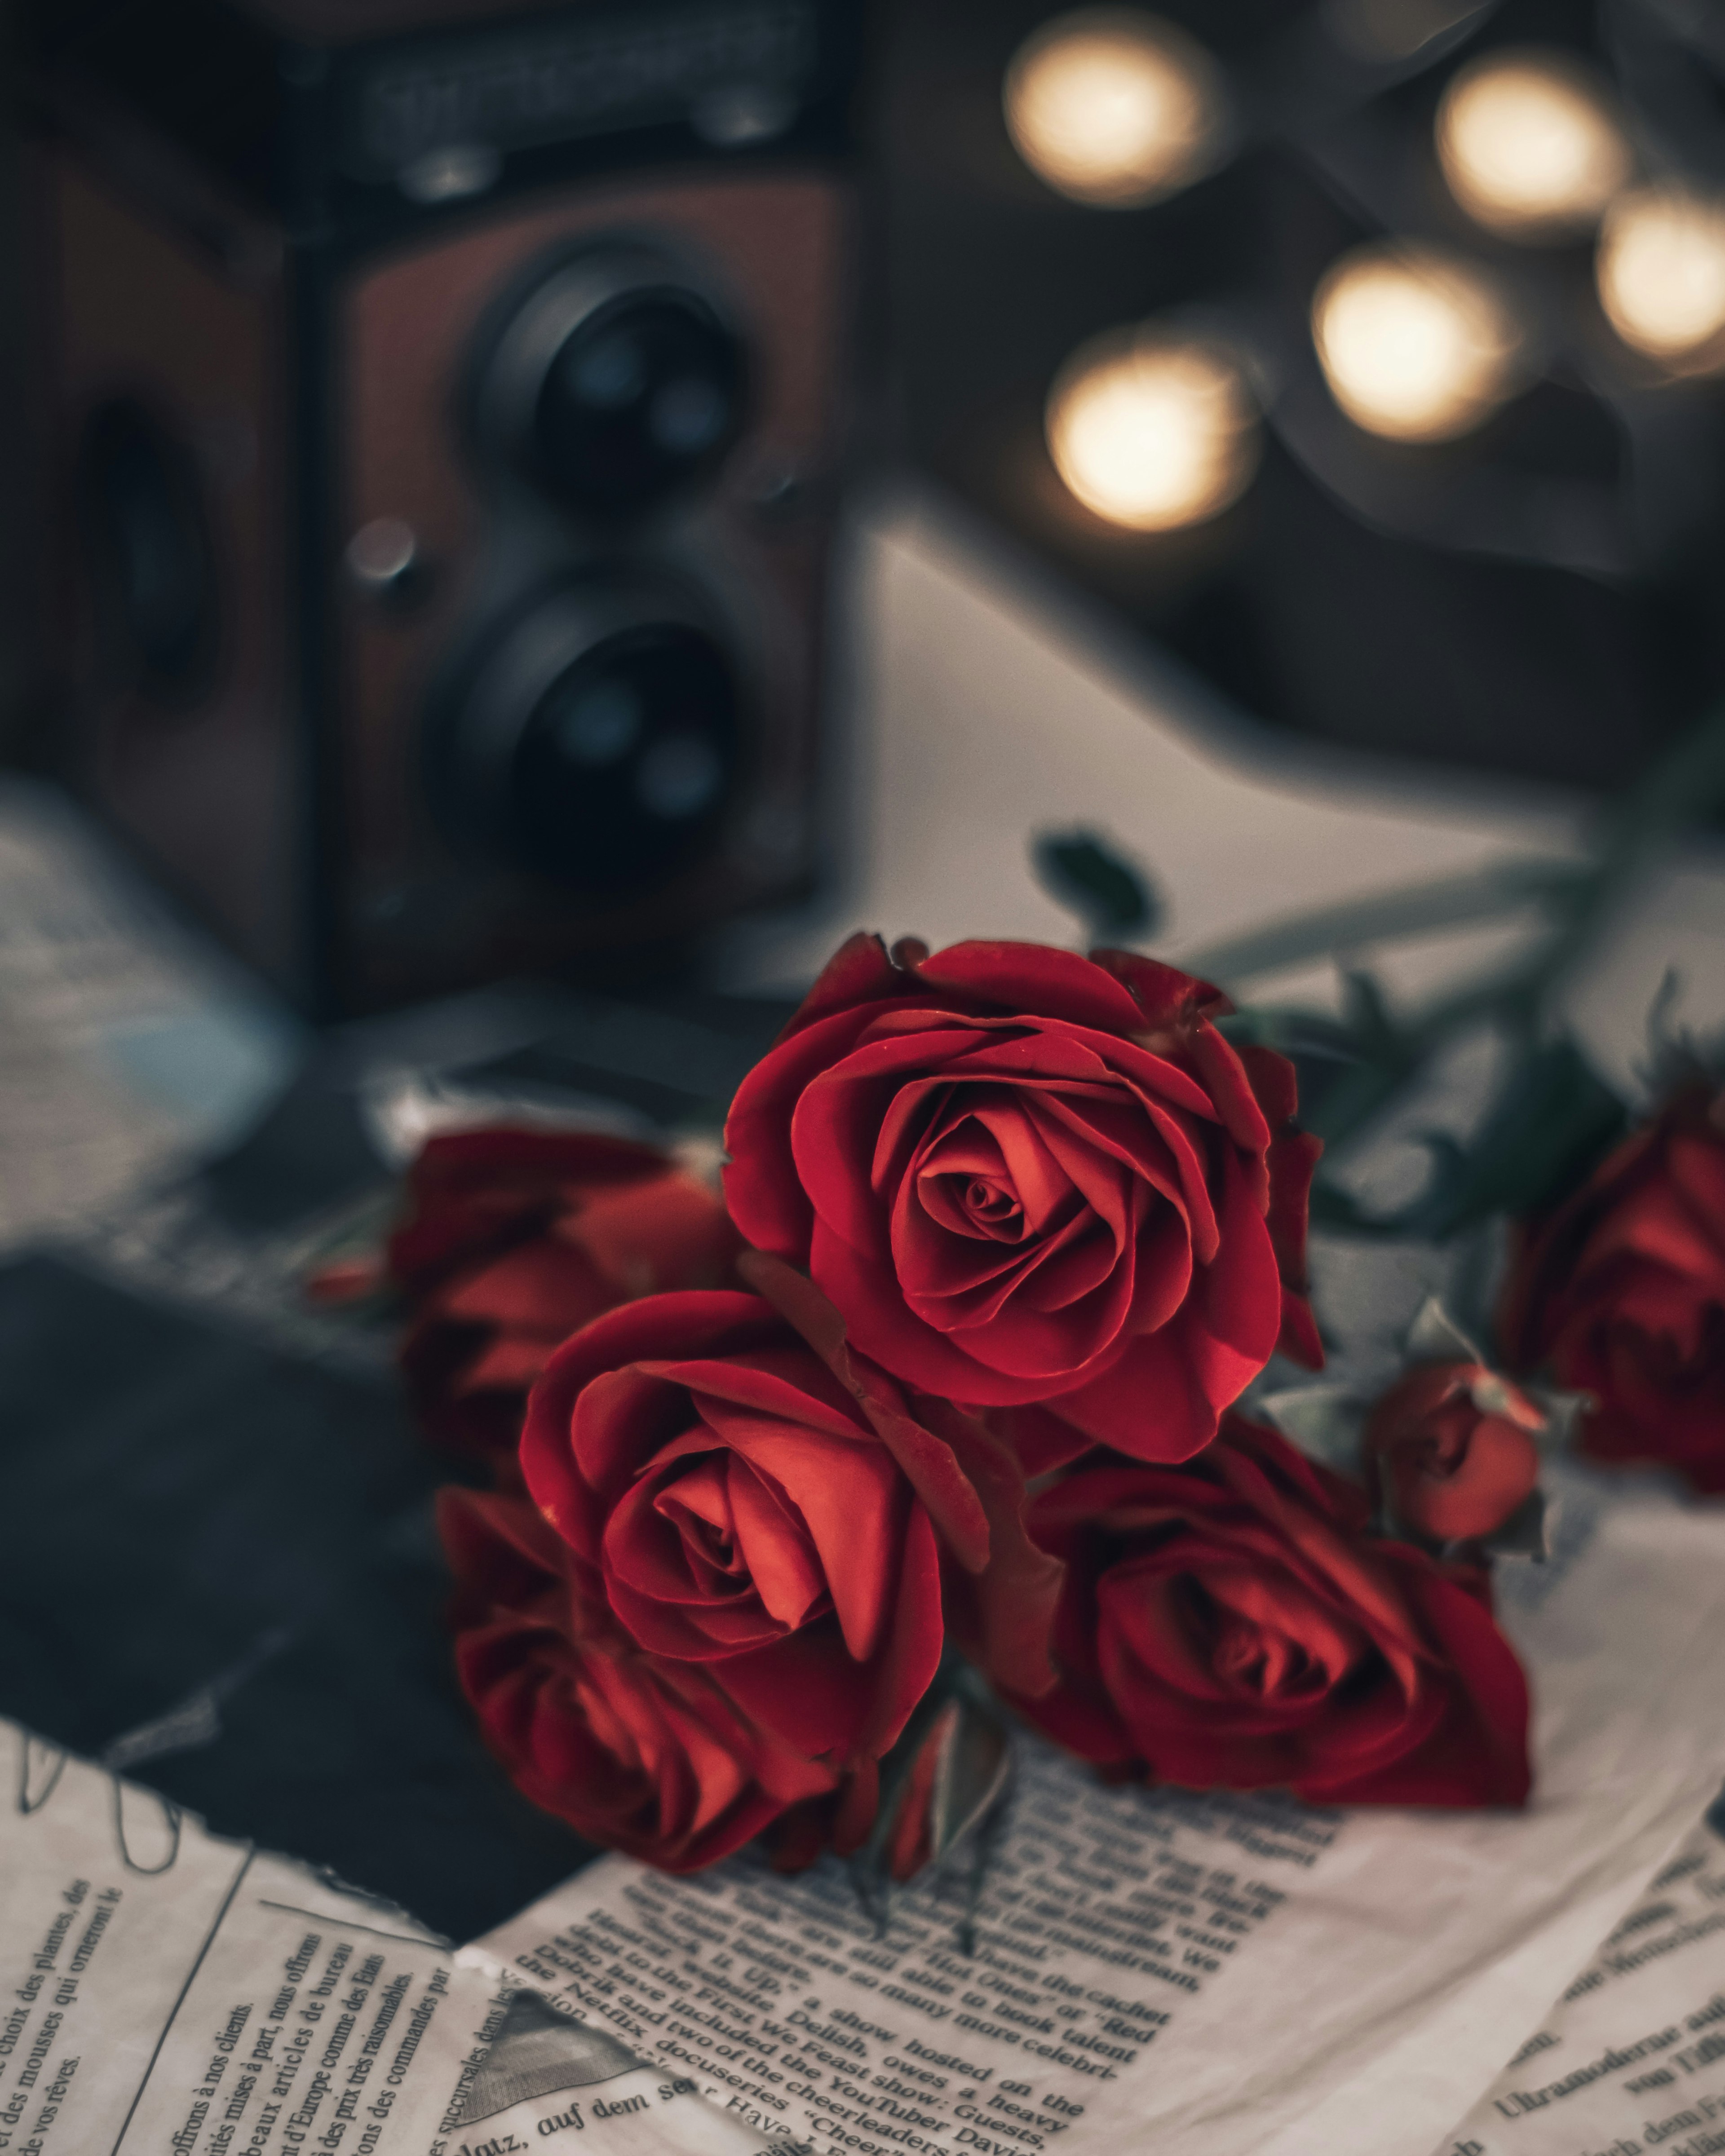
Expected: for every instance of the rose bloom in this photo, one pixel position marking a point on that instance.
(1229, 1623)
(515, 1238)
(1035, 1183)
(652, 1758)
(767, 1514)
(1621, 1292)
(1451, 1445)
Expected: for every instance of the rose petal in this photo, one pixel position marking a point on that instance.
(542, 1287)
(508, 1363)
(845, 1494)
(1003, 1618)
(858, 972)
(928, 1464)
(1274, 1082)
(1032, 976)
(1224, 1080)
(801, 1391)
(690, 1322)
(888, 1333)
(664, 1233)
(1166, 997)
(762, 1193)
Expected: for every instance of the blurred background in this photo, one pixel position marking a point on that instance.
(440, 433)
(1428, 295)
(524, 525)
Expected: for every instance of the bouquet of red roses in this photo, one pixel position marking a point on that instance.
(802, 1500)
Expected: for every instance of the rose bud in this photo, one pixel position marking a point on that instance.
(1620, 1290)
(740, 1504)
(514, 1239)
(1035, 1183)
(1451, 1445)
(1229, 1623)
(651, 1757)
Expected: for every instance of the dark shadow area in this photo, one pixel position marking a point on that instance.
(191, 1512)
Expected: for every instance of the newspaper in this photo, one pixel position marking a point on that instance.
(1217, 1972)
(130, 1045)
(164, 1990)
(1196, 1973)
(1190, 1972)
(1633, 2058)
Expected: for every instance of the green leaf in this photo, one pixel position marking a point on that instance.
(1529, 1532)
(1553, 1121)
(1362, 1091)
(1683, 786)
(1083, 873)
(1325, 1421)
(1298, 1032)
(1333, 1206)
(1434, 1337)
(954, 1764)
(1386, 917)
(1375, 1032)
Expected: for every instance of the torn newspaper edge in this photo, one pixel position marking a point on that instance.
(167, 1991)
(1208, 1975)
(1633, 2057)
(1213, 1973)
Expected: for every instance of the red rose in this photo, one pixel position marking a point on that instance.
(1449, 1444)
(1229, 1625)
(514, 1239)
(649, 1757)
(745, 1505)
(1032, 1179)
(1621, 1290)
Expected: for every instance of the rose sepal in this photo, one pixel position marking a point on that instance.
(947, 1780)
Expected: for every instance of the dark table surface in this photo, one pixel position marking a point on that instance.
(221, 1573)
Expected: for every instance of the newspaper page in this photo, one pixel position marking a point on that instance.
(1208, 1975)
(164, 1990)
(129, 1044)
(1633, 2057)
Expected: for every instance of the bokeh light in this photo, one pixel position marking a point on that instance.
(1661, 274)
(1416, 345)
(1113, 107)
(1530, 145)
(1152, 430)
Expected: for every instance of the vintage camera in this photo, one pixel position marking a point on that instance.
(445, 406)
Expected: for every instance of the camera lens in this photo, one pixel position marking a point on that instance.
(614, 384)
(624, 760)
(598, 741)
(636, 402)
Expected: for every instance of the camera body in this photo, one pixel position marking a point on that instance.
(444, 424)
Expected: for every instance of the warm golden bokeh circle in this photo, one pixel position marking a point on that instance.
(1530, 145)
(1112, 107)
(1152, 430)
(1416, 345)
(1661, 269)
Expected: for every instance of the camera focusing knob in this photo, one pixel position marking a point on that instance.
(385, 563)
